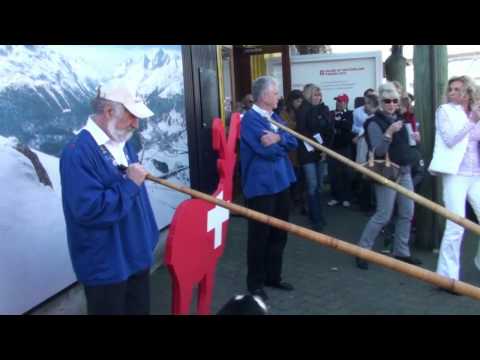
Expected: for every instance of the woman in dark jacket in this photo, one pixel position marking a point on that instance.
(293, 103)
(312, 122)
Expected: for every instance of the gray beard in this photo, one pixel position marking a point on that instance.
(120, 136)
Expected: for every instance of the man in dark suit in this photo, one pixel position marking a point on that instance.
(340, 174)
(267, 174)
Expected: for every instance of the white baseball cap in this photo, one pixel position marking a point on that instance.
(123, 95)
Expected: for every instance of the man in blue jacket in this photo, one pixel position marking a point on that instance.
(266, 178)
(111, 229)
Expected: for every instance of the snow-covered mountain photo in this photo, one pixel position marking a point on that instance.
(45, 94)
(34, 260)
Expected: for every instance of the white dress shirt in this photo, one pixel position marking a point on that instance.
(359, 118)
(451, 141)
(265, 114)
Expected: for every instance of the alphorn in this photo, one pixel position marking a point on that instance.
(470, 225)
(336, 244)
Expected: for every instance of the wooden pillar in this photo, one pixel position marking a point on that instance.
(430, 78)
(286, 71)
(243, 81)
(395, 66)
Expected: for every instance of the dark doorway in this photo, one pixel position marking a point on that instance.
(202, 104)
(243, 72)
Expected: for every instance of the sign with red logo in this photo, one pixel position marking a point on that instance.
(349, 73)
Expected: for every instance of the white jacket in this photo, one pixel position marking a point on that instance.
(447, 159)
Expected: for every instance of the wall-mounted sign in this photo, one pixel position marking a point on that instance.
(350, 73)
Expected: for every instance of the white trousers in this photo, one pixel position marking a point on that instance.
(456, 190)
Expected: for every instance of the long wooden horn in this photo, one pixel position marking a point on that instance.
(336, 244)
(384, 181)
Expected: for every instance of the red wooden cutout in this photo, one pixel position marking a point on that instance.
(198, 230)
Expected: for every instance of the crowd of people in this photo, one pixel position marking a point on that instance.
(112, 232)
(383, 124)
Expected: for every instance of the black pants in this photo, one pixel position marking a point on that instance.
(341, 176)
(297, 189)
(365, 194)
(130, 297)
(265, 243)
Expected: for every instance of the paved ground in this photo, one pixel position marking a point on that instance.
(327, 282)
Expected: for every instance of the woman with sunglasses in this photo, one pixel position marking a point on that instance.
(385, 133)
(456, 159)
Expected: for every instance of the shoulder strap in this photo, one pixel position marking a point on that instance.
(365, 128)
(110, 157)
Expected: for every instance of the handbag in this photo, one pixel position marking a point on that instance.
(418, 169)
(385, 168)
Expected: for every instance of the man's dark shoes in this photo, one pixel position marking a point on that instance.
(260, 292)
(362, 264)
(409, 259)
(282, 285)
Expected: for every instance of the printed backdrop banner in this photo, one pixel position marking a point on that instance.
(45, 94)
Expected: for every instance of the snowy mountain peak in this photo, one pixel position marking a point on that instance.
(32, 47)
(8, 142)
(158, 71)
(5, 50)
(160, 59)
(56, 87)
(45, 71)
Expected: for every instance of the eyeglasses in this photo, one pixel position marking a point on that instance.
(389, 101)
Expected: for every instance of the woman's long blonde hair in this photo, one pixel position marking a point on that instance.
(470, 89)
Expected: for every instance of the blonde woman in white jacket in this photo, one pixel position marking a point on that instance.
(456, 158)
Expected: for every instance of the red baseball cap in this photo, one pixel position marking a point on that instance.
(342, 97)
